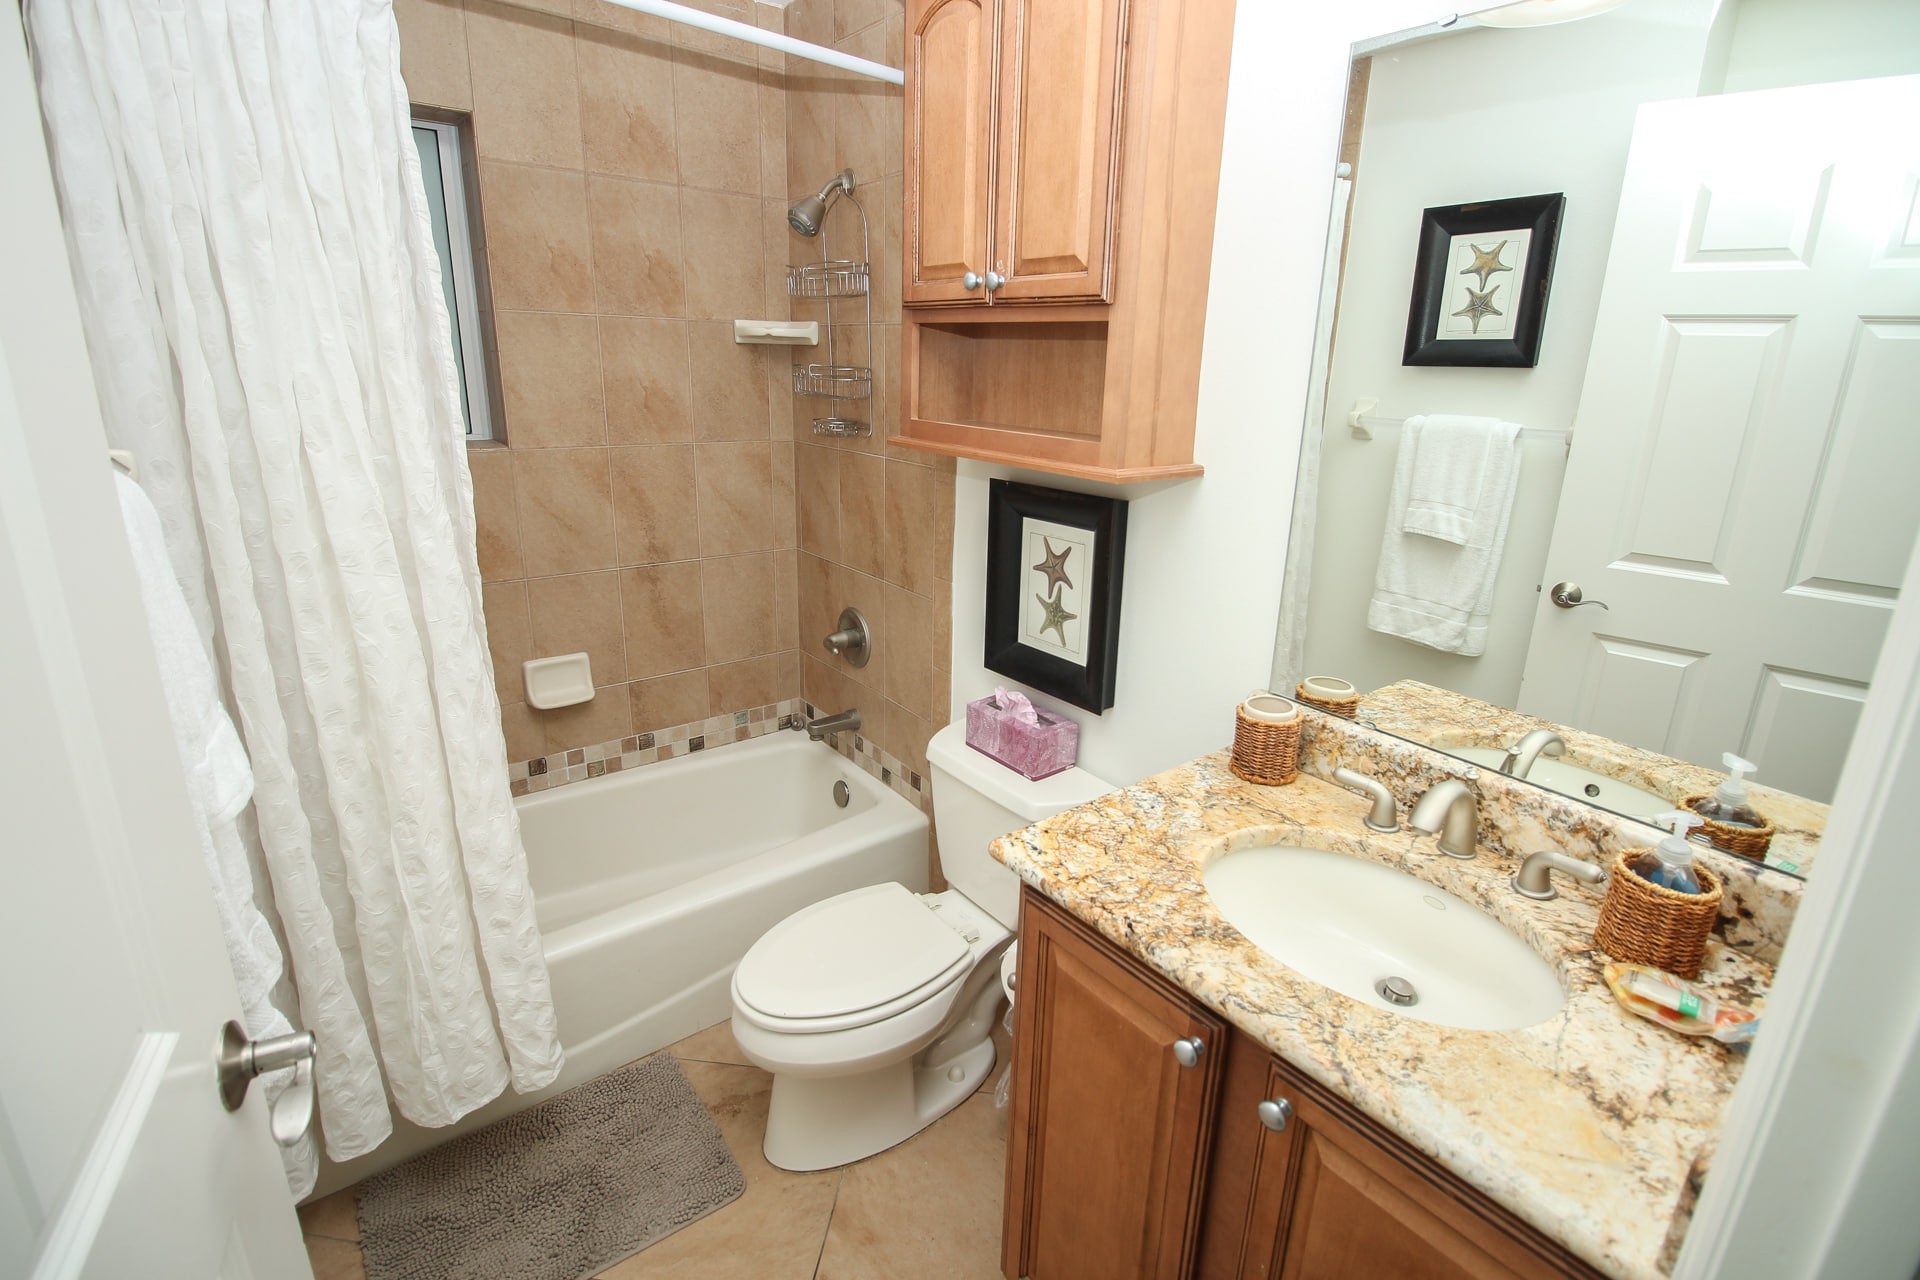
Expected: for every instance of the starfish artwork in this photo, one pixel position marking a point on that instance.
(1486, 262)
(1479, 305)
(1054, 565)
(1057, 617)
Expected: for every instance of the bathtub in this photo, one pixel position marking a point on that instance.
(650, 884)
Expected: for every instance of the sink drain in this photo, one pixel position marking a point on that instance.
(1397, 991)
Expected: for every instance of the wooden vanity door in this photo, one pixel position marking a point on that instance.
(1109, 1134)
(949, 110)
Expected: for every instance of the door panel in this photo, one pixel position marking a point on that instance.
(949, 104)
(1746, 419)
(1059, 116)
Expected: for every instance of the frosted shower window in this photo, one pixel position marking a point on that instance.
(442, 175)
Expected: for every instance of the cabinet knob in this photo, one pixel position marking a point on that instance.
(1275, 1112)
(972, 280)
(994, 280)
(1187, 1052)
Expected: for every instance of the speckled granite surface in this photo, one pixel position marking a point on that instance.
(1594, 1125)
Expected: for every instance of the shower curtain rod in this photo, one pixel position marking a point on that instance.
(765, 39)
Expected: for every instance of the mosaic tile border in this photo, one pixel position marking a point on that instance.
(907, 783)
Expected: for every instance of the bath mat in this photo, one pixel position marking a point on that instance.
(560, 1191)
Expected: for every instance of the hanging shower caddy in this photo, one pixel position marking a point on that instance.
(825, 281)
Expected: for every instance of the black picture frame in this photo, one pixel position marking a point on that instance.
(1009, 506)
(1436, 284)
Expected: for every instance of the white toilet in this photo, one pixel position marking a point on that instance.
(874, 1009)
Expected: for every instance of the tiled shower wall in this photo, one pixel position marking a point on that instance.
(875, 522)
(633, 191)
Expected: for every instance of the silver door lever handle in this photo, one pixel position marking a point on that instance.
(1568, 596)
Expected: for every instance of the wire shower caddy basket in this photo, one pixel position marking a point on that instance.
(827, 280)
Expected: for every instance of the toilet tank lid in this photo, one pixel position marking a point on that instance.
(1030, 800)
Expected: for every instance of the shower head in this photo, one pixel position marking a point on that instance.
(805, 214)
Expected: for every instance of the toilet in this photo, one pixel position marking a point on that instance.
(874, 1009)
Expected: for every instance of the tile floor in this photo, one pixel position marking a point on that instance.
(928, 1209)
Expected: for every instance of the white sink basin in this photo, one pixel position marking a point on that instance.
(1572, 780)
(1348, 923)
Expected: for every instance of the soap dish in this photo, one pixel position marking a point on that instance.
(560, 681)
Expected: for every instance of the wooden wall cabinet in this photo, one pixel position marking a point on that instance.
(1062, 170)
(1122, 1163)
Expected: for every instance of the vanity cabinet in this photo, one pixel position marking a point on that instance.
(1062, 169)
(1121, 1162)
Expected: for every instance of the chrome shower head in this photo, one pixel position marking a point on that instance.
(805, 214)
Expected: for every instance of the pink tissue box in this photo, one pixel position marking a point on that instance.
(1034, 751)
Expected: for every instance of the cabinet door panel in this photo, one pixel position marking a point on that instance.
(1059, 120)
(949, 104)
(1109, 1132)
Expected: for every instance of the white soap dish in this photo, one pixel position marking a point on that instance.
(560, 681)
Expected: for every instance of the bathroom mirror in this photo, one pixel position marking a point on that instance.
(1717, 455)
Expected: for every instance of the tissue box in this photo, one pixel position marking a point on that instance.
(1033, 751)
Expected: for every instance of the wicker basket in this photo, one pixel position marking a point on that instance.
(1748, 842)
(1643, 923)
(1347, 707)
(1266, 753)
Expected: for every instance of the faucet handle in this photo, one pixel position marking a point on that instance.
(1385, 815)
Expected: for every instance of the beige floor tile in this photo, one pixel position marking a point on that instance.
(773, 1231)
(336, 1216)
(334, 1259)
(715, 1044)
(929, 1207)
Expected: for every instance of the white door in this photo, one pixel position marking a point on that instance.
(1744, 484)
(116, 1156)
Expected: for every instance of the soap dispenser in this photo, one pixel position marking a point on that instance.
(1669, 864)
(1729, 804)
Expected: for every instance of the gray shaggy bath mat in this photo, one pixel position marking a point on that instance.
(559, 1191)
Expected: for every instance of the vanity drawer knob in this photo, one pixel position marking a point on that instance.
(1187, 1052)
(1275, 1112)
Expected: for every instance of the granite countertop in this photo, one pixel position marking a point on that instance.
(1594, 1126)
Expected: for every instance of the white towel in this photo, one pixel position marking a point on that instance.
(1456, 462)
(1429, 590)
(220, 783)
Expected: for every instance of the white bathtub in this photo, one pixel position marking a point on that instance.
(651, 883)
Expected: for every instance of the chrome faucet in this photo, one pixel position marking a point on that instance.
(848, 719)
(1522, 754)
(1384, 816)
(1448, 810)
(1534, 881)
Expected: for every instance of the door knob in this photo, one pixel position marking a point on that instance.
(994, 280)
(1568, 596)
(1187, 1052)
(239, 1059)
(1275, 1112)
(972, 280)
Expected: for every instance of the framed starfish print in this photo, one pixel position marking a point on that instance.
(1480, 283)
(1054, 562)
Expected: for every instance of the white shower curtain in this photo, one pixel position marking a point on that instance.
(263, 308)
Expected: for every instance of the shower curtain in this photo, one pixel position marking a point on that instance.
(263, 309)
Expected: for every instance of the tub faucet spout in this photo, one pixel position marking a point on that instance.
(848, 719)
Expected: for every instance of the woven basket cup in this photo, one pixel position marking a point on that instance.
(1266, 753)
(1748, 842)
(1347, 707)
(1643, 923)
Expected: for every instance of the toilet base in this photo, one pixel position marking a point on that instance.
(819, 1122)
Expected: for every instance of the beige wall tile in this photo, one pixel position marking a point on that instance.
(614, 17)
(644, 364)
(943, 525)
(664, 618)
(854, 15)
(737, 592)
(626, 105)
(654, 510)
(941, 613)
(741, 686)
(945, 709)
(772, 88)
(729, 383)
(526, 99)
(819, 602)
(550, 378)
(787, 675)
(723, 242)
(885, 210)
(603, 719)
(810, 154)
(908, 557)
(580, 613)
(869, 596)
(782, 505)
(829, 688)
(433, 53)
(636, 248)
(566, 510)
(897, 40)
(817, 499)
(774, 234)
(907, 736)
(811, 20)
(717, 119)
(863, 482)
(734, 483)
(526, 736)
(497, 525)
(665, 701)
(509, 637)
(786, 595)
(537, 238)
(863, 134)
(910, 659)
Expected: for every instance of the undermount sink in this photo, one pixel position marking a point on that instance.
(1572, 780)
(1351, 924)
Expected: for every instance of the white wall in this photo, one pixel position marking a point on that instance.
(1776, 43)
(1478, 115)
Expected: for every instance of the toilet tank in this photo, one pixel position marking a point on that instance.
(976, 800)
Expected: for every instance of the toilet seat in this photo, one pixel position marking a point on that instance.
(849, 961)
